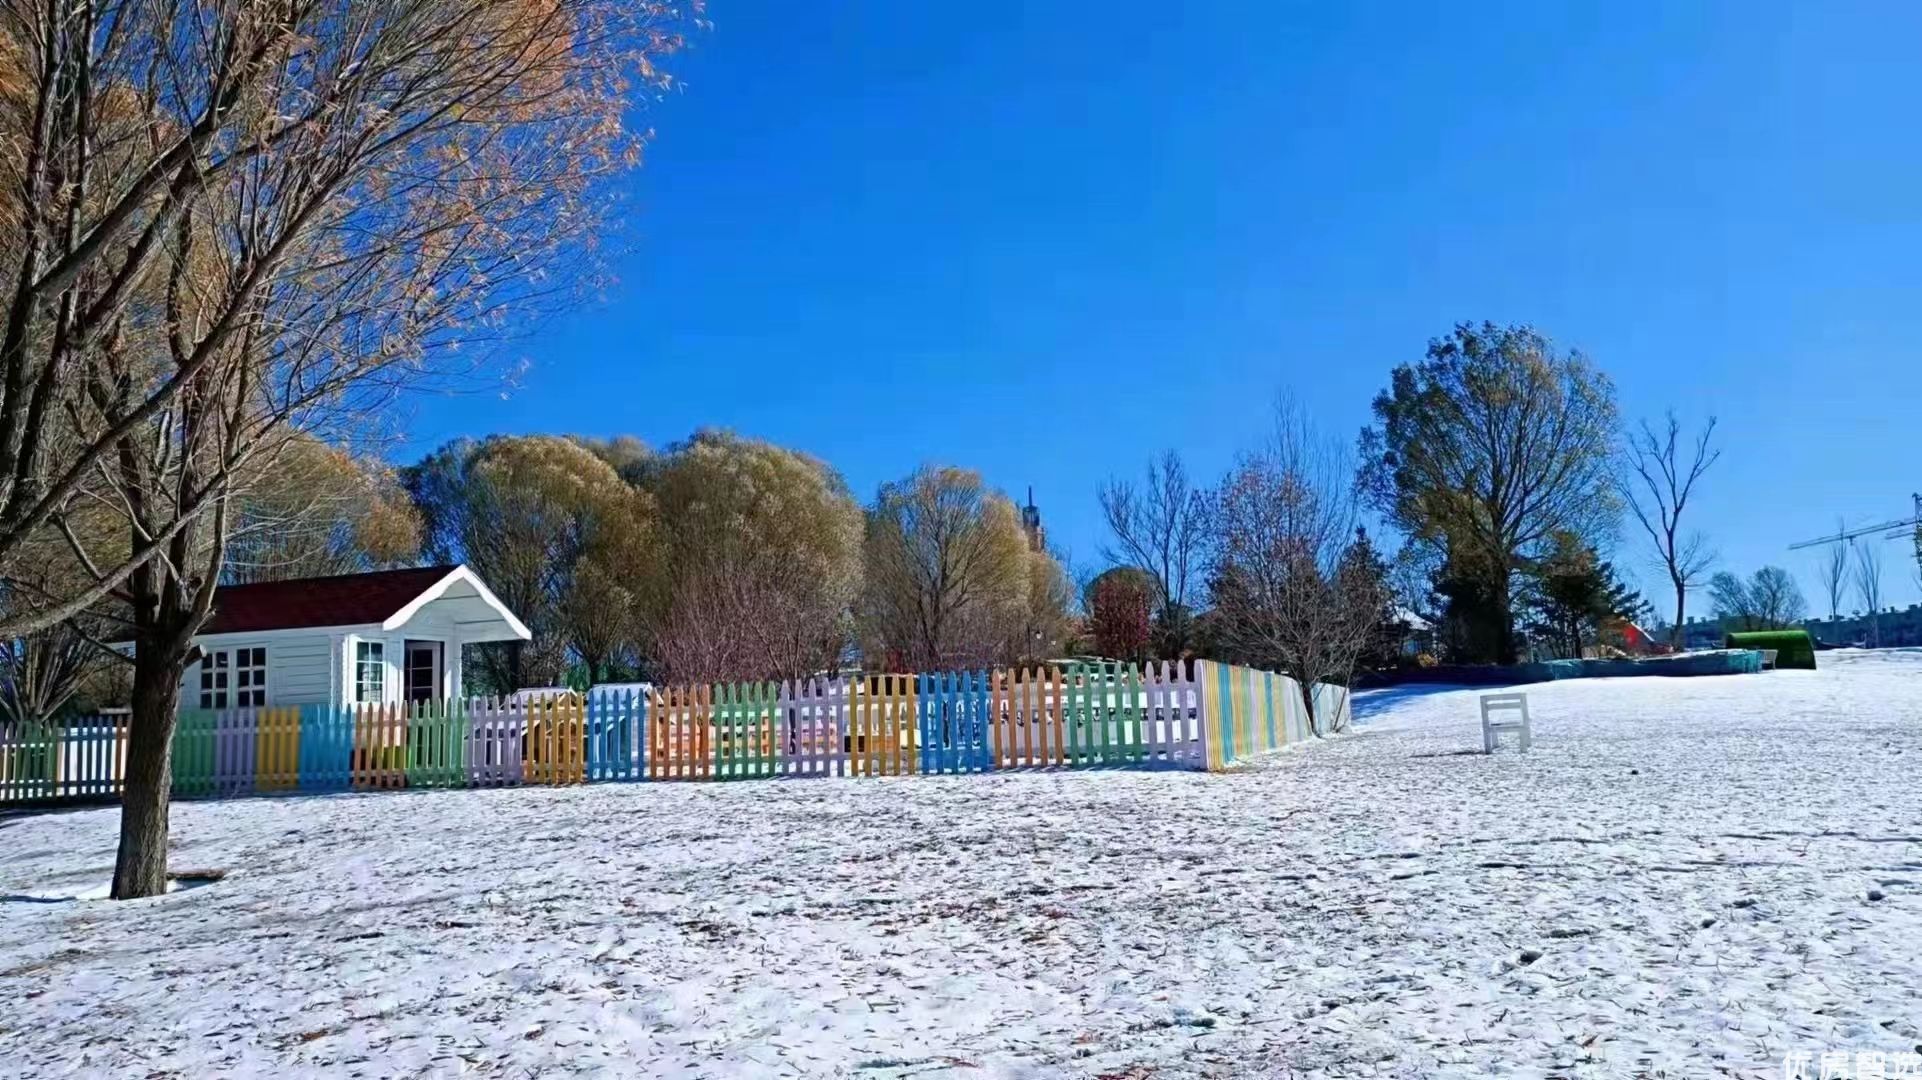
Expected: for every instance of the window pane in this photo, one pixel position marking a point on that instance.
(369, 671)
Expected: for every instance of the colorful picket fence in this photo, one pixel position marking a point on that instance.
(1075, 715)
(1252, 712)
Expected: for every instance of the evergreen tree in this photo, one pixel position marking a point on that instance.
(1574, 599)
(1363, 570)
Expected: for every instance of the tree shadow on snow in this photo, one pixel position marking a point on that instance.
(1367, 704)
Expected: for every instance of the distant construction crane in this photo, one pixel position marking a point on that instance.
(1910, 526)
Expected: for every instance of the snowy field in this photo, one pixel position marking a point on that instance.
(1687, 877)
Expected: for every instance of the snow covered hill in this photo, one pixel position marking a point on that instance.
(1685, 877)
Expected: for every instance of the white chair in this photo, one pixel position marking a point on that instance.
(1503, 712)
(1768, 659)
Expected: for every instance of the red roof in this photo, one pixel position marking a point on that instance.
(346, 600)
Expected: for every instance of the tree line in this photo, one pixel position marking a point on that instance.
(1502, 464)
(724, 558)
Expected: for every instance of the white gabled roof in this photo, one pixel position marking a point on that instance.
(472, 605)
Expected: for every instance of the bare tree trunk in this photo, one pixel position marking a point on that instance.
(1307, 689)
(140, 868)
(1676, 636)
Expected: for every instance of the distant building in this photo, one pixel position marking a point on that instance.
(1893, 627)
(1031, 524)
(1700, 633)
(1416, 633)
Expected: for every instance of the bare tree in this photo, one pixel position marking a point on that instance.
(1777, 598)
(1868, 587)
(1769, 600)
(1835, 571)
(1286, 592)
(228, 224)
(1664, 472)
(1162, 527)
(1732, 603)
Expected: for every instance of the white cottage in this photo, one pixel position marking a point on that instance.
(387, 636)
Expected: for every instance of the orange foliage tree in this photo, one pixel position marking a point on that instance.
(228, 224)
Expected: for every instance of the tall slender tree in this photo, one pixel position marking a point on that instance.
(1835, 571)
(1661, 472)
(1868, 587)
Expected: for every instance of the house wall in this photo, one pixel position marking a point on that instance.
(316, 666)
(428, 625)
(300, 668)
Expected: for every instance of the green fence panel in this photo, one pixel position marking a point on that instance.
(193, 753)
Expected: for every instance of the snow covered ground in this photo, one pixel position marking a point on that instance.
(1686, 877)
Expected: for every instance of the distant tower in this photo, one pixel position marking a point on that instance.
(1031, 523)
(1918, 534)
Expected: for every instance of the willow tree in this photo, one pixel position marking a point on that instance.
(322, 510)
(1486, 448)
(948, 574)
(42, 672)
(228, 223)
(760, 560)
(1047, 620)
(559, 537)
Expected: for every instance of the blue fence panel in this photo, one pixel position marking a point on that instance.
(324, 755)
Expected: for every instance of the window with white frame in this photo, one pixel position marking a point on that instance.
(234, 678)
(370, 670)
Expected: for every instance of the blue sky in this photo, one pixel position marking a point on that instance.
(1047, 240)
